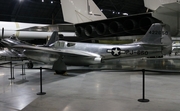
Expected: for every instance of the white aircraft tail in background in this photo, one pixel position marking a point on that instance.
(75, 11)
(167, 11)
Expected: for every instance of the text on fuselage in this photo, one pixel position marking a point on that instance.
(116, 51)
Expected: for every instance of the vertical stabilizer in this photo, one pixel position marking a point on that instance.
(80, 11)
(158, 35)
(54, 37)
(153, 35)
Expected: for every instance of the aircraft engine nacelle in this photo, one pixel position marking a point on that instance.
(101, 29)
(115, 27)
(119, 26)
(42, 56)
(79, 31)
(130, 26)
(90, 30)
(145, 23)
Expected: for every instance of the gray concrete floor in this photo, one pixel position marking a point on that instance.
(84, 90)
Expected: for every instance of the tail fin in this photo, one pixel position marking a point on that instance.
(159, 34)
(54, 37)
(79, 11)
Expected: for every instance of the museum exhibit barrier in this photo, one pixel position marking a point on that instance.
(143, 70)
(41, 92)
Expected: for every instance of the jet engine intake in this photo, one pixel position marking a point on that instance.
(79, 31)
(145, 23)
(101, 29)
(90, 30)
(130, 26)
(115, 27)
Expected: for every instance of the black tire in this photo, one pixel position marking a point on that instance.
(176, 53)
(29, 65)
(60, 72)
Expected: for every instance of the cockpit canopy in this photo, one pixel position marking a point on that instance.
(62, 44)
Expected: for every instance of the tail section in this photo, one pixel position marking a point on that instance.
(158, 34)
(54, 37)
(79, 11)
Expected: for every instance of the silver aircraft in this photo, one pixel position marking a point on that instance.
(9, 52)
(155, 43)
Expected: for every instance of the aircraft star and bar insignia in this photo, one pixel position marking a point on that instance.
(116, 51)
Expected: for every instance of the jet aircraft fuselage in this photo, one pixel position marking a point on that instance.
(156, 42)
(107, 51)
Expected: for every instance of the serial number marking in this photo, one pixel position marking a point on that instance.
(138, 52)
(117, 52)
(159, 32)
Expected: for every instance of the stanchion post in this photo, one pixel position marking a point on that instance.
(12, 71)
(143, 88)
(41, 93)
(23, 68)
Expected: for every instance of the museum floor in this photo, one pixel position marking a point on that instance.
(86, 90)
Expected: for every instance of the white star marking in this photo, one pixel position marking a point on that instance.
(116, 52)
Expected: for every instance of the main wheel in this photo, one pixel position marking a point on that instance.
(176, 53)
(30, 65)
(61, 72)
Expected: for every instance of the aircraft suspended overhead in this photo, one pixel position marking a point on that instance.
(167, 11)
(156, 42)
(91, 22)
(35, 31)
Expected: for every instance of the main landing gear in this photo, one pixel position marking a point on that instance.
(60, 73)
(60, 67)
(30, 65)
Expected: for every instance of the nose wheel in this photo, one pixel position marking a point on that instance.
(30, 65)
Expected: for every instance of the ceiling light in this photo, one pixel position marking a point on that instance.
(125, 14)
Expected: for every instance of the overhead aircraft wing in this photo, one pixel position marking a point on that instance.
(120, 26)
(167, 11)
(51, 28)
(90, 21)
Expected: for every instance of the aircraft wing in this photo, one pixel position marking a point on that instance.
(44, 54)
(120, 26)
(8, 53)
(61, 52)
(51, 28)
(50, 55)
